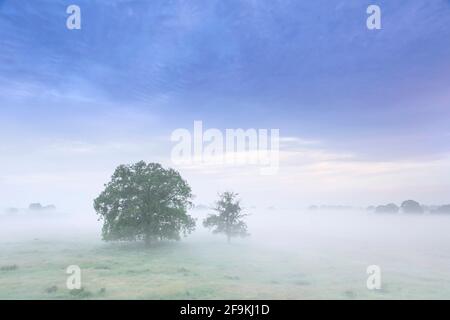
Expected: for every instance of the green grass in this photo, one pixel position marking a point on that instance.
(198, 270)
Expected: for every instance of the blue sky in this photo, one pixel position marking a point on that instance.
(137, 70)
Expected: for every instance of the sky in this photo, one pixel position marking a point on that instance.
(363, 114)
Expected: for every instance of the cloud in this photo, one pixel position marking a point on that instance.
(309, 174)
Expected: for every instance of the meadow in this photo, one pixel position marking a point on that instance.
(327, 261)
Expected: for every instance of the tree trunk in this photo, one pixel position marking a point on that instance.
(148, 241)
(228, 238)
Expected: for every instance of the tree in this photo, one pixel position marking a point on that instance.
(145, 202)
(40, 207)
(411, 206)
(229, 219)
(35, 206)
(445, 209)
(389, 208)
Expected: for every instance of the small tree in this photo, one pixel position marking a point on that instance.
(229, 219)
(145, 202)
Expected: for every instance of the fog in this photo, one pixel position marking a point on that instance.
(338, 231)
(356, 115)
(268, 227)
(331, 248)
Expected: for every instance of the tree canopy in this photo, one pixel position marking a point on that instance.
(145, 202)
(411, 206)
(389, 208)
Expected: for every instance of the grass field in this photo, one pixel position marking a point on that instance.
(206, 267)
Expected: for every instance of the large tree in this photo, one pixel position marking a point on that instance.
(229, 219)
(145, 202)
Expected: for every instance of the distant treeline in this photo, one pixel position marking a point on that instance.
(410, 206)
(33, 207)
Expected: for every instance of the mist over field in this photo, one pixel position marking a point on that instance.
(302, 146)
(290, 254)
